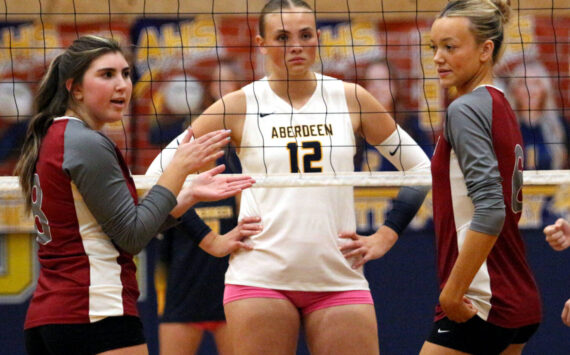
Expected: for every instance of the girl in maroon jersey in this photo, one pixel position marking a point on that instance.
(88, 220)
(489, 302)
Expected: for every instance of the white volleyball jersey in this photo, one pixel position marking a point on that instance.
(298, 248)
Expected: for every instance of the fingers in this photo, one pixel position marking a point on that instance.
(566, 313)
(347, 235)
(354, 249)
(462, 313)
(250, 225)
(237, 178)
(213, 142)
(359, 262)
(557, 240)
(550, 229)
(188, 136)
(214, 136)
(247, 227)
(216, 170)
(250, 219)
(234, 190)
(246, 246)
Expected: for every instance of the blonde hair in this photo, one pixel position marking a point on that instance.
(277, 6)
(487, 17)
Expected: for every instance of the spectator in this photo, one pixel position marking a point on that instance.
(543, 130)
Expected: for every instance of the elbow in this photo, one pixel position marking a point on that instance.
(421, 163)
(424, 165)
(130, 248)
(489, 221)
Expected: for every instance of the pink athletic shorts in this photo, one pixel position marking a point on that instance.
(210, 326)
(306, 301)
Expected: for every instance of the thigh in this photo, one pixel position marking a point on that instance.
(223, 341)
(129, 350)
(263, 326)
(435, 349)
(179, 338)
(346, 329)
(513, 349)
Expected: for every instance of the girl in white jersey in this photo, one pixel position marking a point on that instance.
(298, 121)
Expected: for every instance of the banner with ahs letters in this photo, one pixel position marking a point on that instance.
(174, 63)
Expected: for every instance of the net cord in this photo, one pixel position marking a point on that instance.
(9, 184)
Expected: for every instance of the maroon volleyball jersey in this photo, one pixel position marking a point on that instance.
(88, 223)
(477, 185)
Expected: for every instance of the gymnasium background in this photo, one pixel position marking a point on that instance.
(172, 41)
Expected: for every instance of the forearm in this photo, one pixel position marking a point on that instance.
(405, 206)
(133, 226)
(208, 243)
(193, 226)
(172, 179)
(473, 253)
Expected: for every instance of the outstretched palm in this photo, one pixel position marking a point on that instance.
(209, 186)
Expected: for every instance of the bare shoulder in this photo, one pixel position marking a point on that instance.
(359, 99)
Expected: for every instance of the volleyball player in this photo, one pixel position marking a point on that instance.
(489, 302)
(298, 121)
(558, 236)
(87, 217)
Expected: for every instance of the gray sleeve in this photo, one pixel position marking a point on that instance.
(468, 130)
(91, 161)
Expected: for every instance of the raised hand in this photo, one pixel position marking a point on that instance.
(558, 234)
(192, 155)
(209, 186)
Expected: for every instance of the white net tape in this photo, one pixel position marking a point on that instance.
(9, 184)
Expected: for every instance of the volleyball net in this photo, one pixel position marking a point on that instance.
(186, 54)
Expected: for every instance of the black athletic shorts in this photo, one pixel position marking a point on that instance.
(85, 339)
(477, 336)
